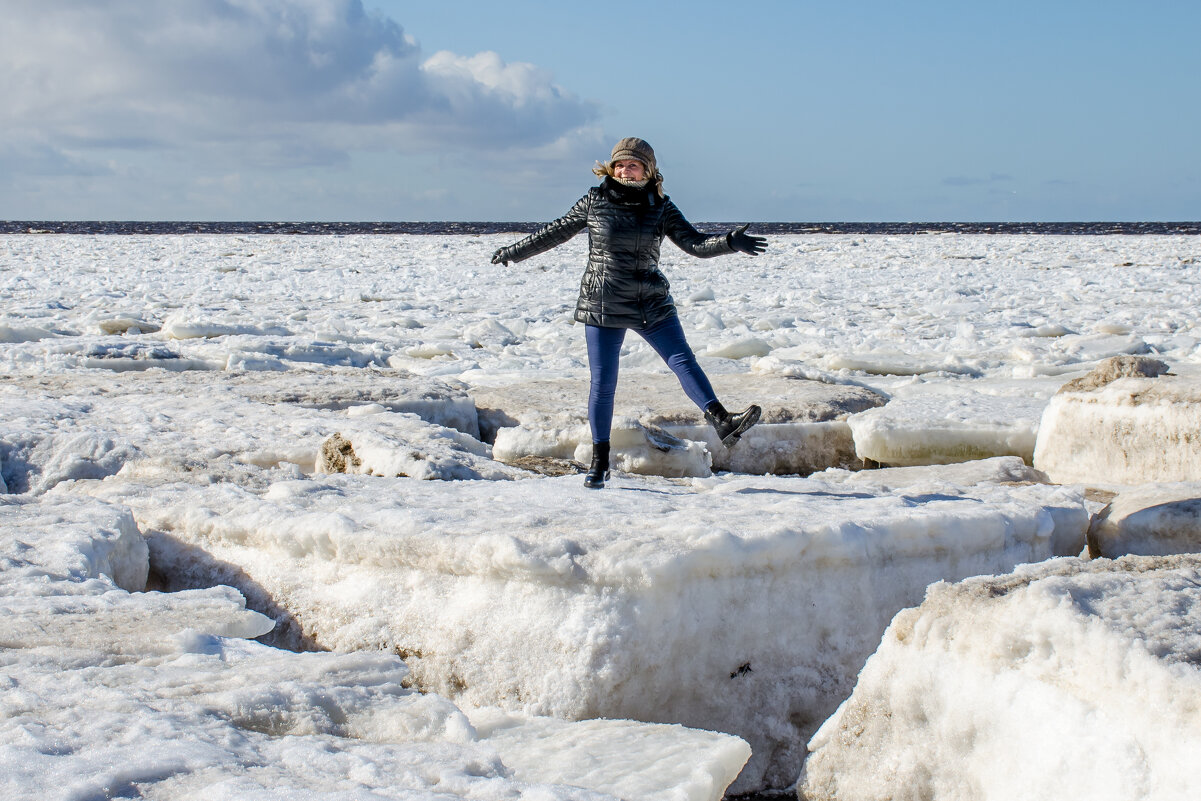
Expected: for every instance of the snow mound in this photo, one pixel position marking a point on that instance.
(975, 693)
(738, 348)
(23, 333)
(1128, 431)
(51, 544)
(45, 441)
(730, 604)
(229, 428)
(416, 450)
(185, 326)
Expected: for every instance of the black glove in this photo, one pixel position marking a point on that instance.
(741, 241)
(502, 256)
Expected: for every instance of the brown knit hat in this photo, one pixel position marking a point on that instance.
(634, 148)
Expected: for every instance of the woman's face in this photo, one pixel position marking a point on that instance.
(629, 169)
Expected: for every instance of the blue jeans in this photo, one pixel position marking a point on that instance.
(604, 351)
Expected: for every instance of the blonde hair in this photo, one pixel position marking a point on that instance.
(603, 169)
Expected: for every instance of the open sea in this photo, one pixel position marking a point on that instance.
(469, 228)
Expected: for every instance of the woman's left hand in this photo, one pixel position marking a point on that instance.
(743, 242)
(501, 256)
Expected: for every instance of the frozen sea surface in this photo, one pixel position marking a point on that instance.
(182, 393)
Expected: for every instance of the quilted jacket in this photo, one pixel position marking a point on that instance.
(622, 285)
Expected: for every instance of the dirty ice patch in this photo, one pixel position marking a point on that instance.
(408, 446)
(656, 599)
(340, 388)
(974, 693)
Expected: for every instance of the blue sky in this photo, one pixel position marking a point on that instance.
(381, 109)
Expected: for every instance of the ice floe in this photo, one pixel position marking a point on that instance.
(1151, 519)
(1127, 431)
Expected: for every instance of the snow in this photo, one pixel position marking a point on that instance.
(369, 440)
(1069, 680)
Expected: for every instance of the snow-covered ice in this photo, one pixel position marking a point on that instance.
(946, 422)
(1150, 519)
(355, 433)
(1070, 680)
(91, 426)
(1129, 431)
(803, 428)
(547, 597)
(112, 693)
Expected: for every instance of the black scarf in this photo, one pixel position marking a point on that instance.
(619, 193)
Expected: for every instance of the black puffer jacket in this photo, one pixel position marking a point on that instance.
(622, 285)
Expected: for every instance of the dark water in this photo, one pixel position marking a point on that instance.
(468, 228)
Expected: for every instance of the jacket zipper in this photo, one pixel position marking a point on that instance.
(637, 258)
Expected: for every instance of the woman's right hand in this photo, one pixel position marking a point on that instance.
(501, 256)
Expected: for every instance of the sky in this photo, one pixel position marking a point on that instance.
(864, 110)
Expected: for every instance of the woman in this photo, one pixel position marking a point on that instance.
(627, 217)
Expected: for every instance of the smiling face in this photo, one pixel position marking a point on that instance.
(629, 169)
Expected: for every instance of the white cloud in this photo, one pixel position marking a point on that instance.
(264, 83)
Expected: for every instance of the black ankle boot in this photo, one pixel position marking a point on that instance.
(730, 427)
(598, 473)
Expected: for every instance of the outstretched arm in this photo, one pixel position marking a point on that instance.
(693, 242)
(548, 236)
(690, 240)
